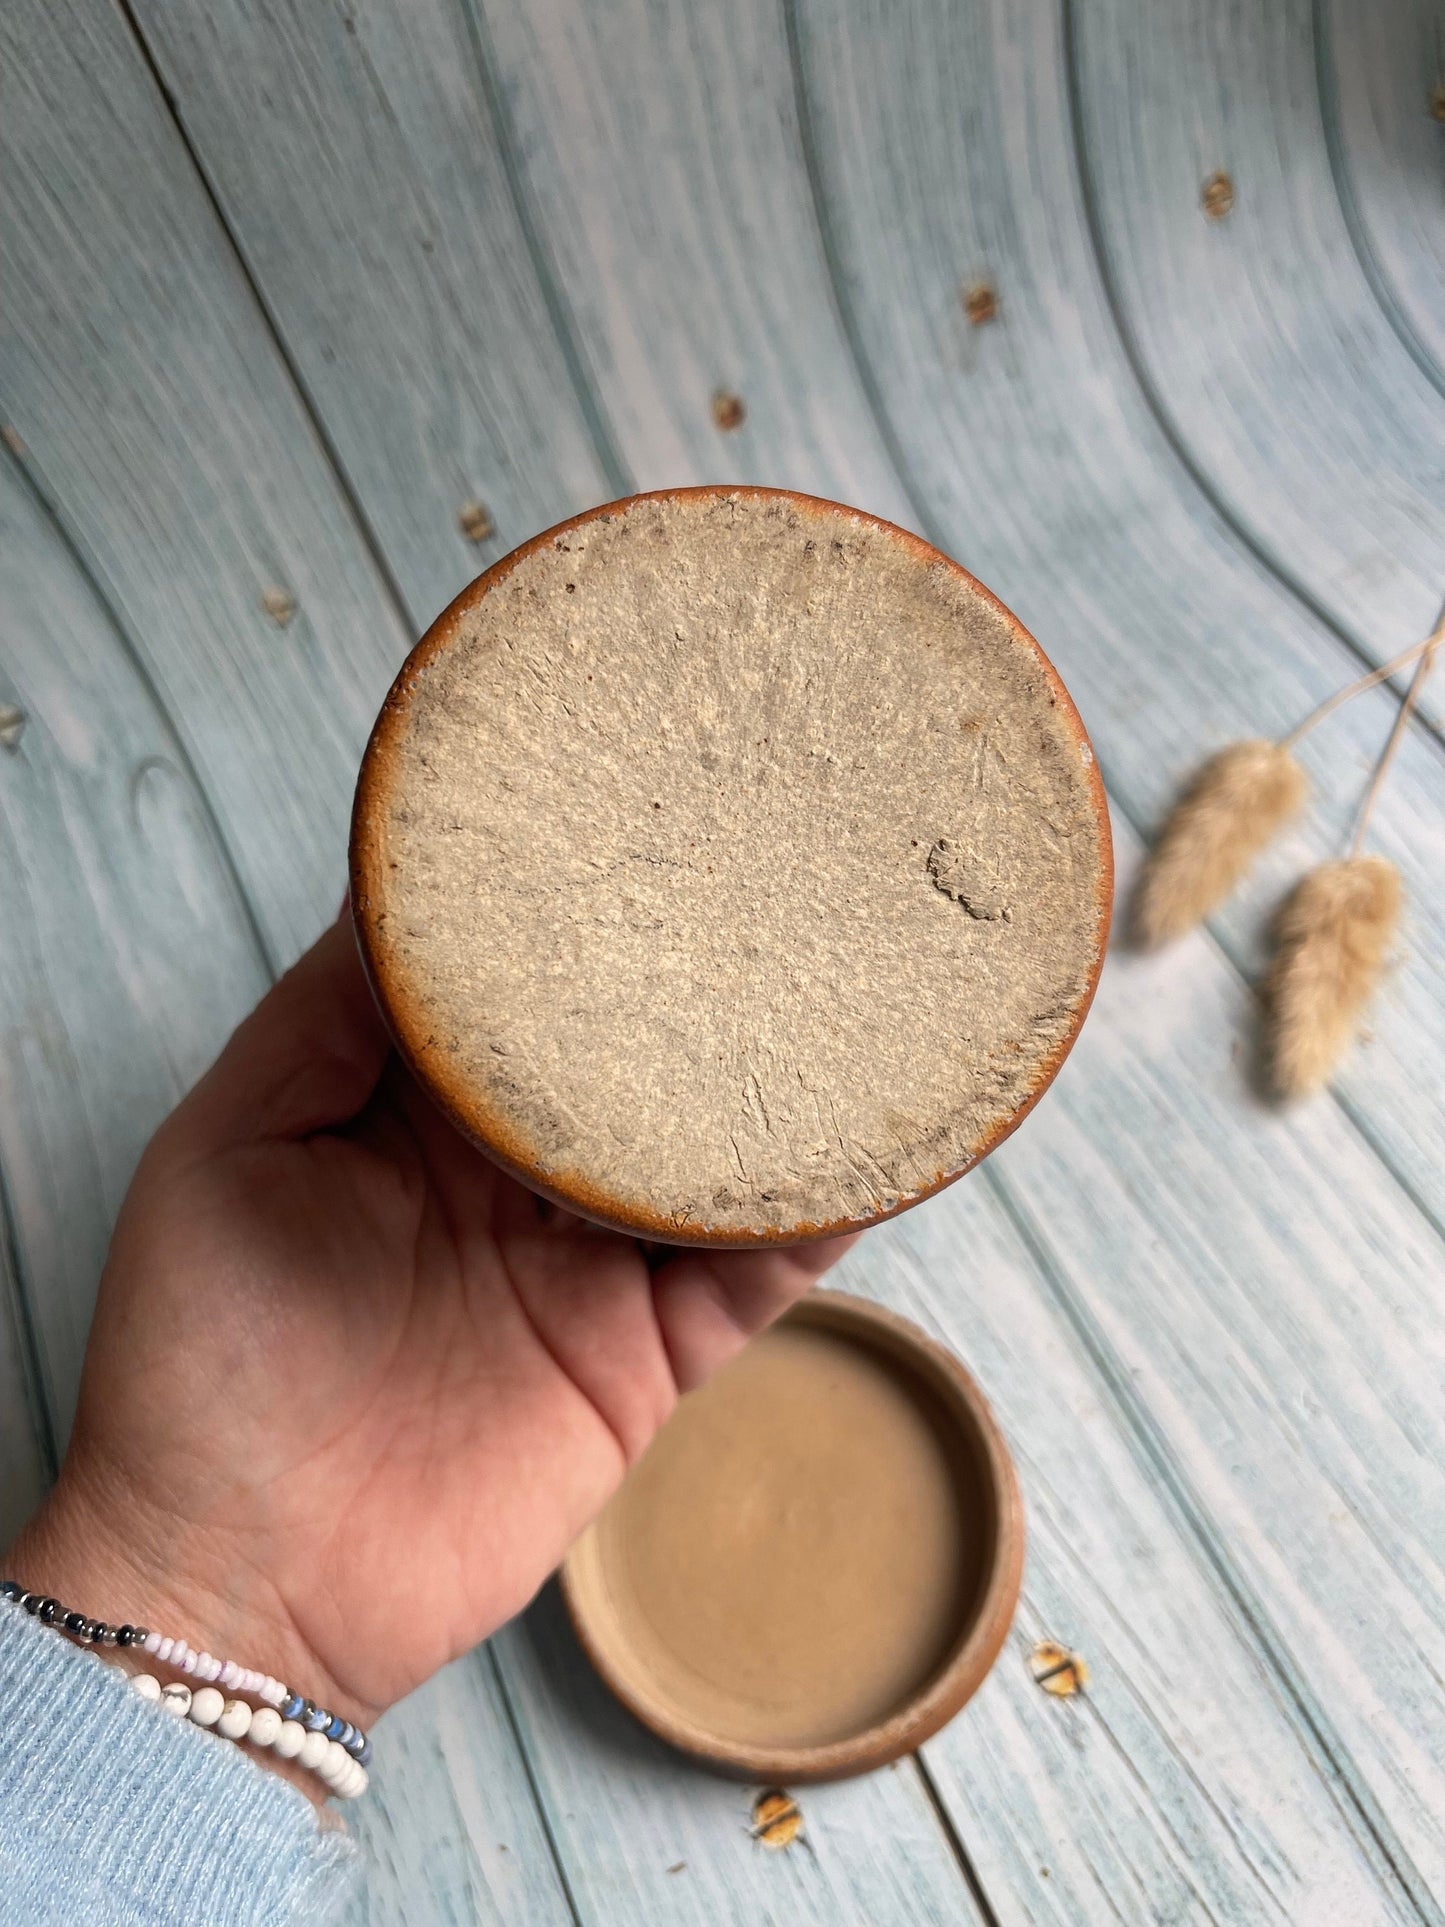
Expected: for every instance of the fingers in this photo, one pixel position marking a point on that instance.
(308, 1057)
(709, 1303)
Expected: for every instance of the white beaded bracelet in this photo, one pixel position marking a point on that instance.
(233, 1719)
(186, 1659)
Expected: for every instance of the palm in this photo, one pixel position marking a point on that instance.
(393, 1385)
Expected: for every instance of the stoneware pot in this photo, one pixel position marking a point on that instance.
(816, 1562)
(731, 866)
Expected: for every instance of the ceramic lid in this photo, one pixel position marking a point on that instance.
(815, 1563)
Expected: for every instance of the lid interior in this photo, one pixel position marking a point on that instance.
(804, 1551)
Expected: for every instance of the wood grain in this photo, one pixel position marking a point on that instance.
(1213, 1334)
(1382, 72)
(182, 460)
(740, 274)
(127, 953)
(1270, 356)
(1267, 1315)
(441, 1845)
(663, 156)
(626, 1812)
(353, 151)
(1043, 469)
(1176, 1787)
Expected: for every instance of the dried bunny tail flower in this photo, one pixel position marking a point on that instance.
(1240, 799)
(1332, 936)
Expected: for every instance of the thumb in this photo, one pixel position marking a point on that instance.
(709, 1303)
(308, 1057)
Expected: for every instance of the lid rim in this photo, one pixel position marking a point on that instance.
(970, 1660)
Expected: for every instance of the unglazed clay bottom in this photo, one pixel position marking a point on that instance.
(800, 1550)
(732, 865)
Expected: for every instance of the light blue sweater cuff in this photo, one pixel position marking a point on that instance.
(118, 1814)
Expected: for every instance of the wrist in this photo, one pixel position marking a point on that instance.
(102, 1551)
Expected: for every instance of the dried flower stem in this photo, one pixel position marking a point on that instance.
(1387, 754)
(1362, 683)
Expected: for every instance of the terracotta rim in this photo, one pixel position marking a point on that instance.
(484, 1125)
(988, 1624)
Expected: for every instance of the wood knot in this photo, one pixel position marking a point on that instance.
(777, 1820)
(980, 303)
(1060, 1672)
(475, 522)
(1216, 196)
(728, 411)
(12, 726)
(280, 605)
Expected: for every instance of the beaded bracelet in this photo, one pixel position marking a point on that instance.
(233, 1719)
(292, 1709)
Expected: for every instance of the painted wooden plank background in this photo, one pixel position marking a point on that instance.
(644, 1835)
(162, 421)
(1270, 356)
(125, 940)
(353, 153)
(1382, 90)
(272, 327)
(148, 928)
(1177, 1789)
(1035, 453)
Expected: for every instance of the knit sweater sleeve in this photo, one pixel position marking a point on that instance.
(116, 1813)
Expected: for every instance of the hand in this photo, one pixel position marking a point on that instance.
(351, 1391)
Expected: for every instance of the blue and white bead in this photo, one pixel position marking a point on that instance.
(294, 1727)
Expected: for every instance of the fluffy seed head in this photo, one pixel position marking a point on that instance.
(1332, 937)
(1235, 804)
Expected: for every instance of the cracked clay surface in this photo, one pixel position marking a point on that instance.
(737, 864)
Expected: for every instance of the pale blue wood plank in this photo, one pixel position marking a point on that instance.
(1382, 69)
(1269, 1316)
(1177, 1787)
(1263, 340)
(662, 154)
(441, 1845)
(352, 151)
(127, 954)
(160, 417)
(183, 461)
(1043, 469)
(718, 205)
(645, 1834)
